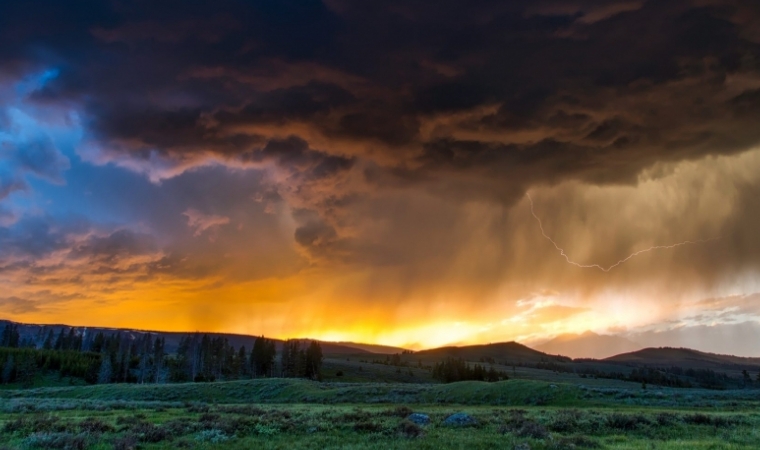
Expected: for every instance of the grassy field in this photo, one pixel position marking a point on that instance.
(278, 413)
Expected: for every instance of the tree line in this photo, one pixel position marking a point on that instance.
(457, 369)
(124, 358)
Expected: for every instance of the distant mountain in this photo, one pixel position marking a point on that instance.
(510, 352)
(685, 358)
(742, 339)
(36, 334)
(588, 345)
(372, 348)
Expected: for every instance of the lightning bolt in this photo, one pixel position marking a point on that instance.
(602, 268)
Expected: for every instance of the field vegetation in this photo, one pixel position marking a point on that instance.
(287, 413)
(134, 391)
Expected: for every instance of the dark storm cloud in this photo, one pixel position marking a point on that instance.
(469, 103)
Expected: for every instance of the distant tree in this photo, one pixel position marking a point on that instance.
(313, 361)
(59, 341)
(26, 370)
(48, 344)
(9, 369)
(241, 362)
(159, 355)
(289, 361)
(263, 356)
(106, 370)
(10, 336)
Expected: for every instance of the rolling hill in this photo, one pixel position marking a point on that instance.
(684, 357)
(505, 352)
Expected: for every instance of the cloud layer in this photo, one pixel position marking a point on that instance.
(359, 170)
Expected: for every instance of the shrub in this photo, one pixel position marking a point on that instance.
(37, 424)
(198, 408)
(64, 441)
(399, 411)
(93, 425)
(665, 419)
(134, 419)
(531, 429)
(265, 430)
(247, 410)
(149, 432)
(716, 421)
(356, 415)
(127, 442)
(212, 436)
(565, 421)
(179, 427)
(626, 422)
(410, 429)
(368, 426)
(13, 426)
(574, 442)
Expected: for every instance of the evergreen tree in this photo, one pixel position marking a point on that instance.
(313, 361)
(48, 344)
(105, 373)
(26, 370)
(9, 369)
(263, 356)
(158, 360)
(59, 341)
(10, 336)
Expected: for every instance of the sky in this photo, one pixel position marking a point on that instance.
(384, 171)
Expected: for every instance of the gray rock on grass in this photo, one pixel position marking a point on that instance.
(460, 420)
(419, 418)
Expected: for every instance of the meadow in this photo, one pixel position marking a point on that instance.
(291, 413)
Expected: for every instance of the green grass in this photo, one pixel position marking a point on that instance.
(379, 426)
(287, 413)
(511, 392)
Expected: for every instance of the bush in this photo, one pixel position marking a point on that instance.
(665, 419)
(410, 429)
(574, 442)
(247, 410)
(126, 442)
(149, 432)
(265, 430)
(399, 411)
(212, 436)
(64, 441)
(37, 424)
(531, 429)
(93, 425)
(179, 427)
(565, 421)
(716, 421)
(368, 426)
(626, 422)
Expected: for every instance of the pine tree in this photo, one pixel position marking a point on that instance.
(10, 336)
(106, 370)
(48, 344)
(8, 370)
(313, 361)
(158, 360)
